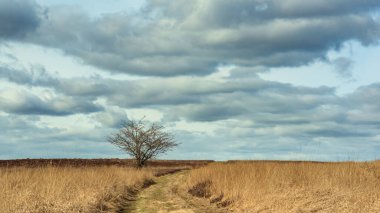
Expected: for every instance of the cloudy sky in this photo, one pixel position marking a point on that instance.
(242, 79)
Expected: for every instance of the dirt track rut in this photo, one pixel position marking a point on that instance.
(168, 195)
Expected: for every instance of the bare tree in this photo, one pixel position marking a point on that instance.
(142, 141)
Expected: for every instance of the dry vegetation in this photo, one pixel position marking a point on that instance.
(78, 162)
(76, 185)
(250, 186)
(289, 186)
(68, 189)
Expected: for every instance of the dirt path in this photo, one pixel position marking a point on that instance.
(169, 196)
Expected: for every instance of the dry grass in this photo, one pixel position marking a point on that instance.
(67, 189)
(290, 186)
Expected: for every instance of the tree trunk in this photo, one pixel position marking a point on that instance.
(141, 163)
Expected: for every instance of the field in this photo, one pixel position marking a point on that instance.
(67, 189)
(76, 185)
(114, 185)
(289, 186)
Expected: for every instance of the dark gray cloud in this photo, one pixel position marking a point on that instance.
(363, 106)
(252, 102)
(20, 101)
(229, 13)
(18, 18)
(366, 96)
(37, 76)
(169, 38)
(22, 137)
(337, 133)
(207, 112)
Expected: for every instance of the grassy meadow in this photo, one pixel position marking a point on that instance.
(234, 186)
(77, 185)
(289, 186)
(67, 189)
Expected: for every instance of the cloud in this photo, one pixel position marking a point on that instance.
(36, 76)
(227, 13)
(24, 136)
(343, 67)
(20, 101)
(192, 98)
(366, 96)
(18, 18)
(112, 117)
(267, 104)
(252, 116)
(193, 38)
(363, 107)
(182, 46)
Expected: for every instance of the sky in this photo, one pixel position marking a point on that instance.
(242, 79)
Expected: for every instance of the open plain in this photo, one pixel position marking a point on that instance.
(113, 185)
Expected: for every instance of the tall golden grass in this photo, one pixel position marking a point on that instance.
(291, 186)
(67, 189)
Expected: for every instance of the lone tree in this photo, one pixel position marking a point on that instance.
(142, 141)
